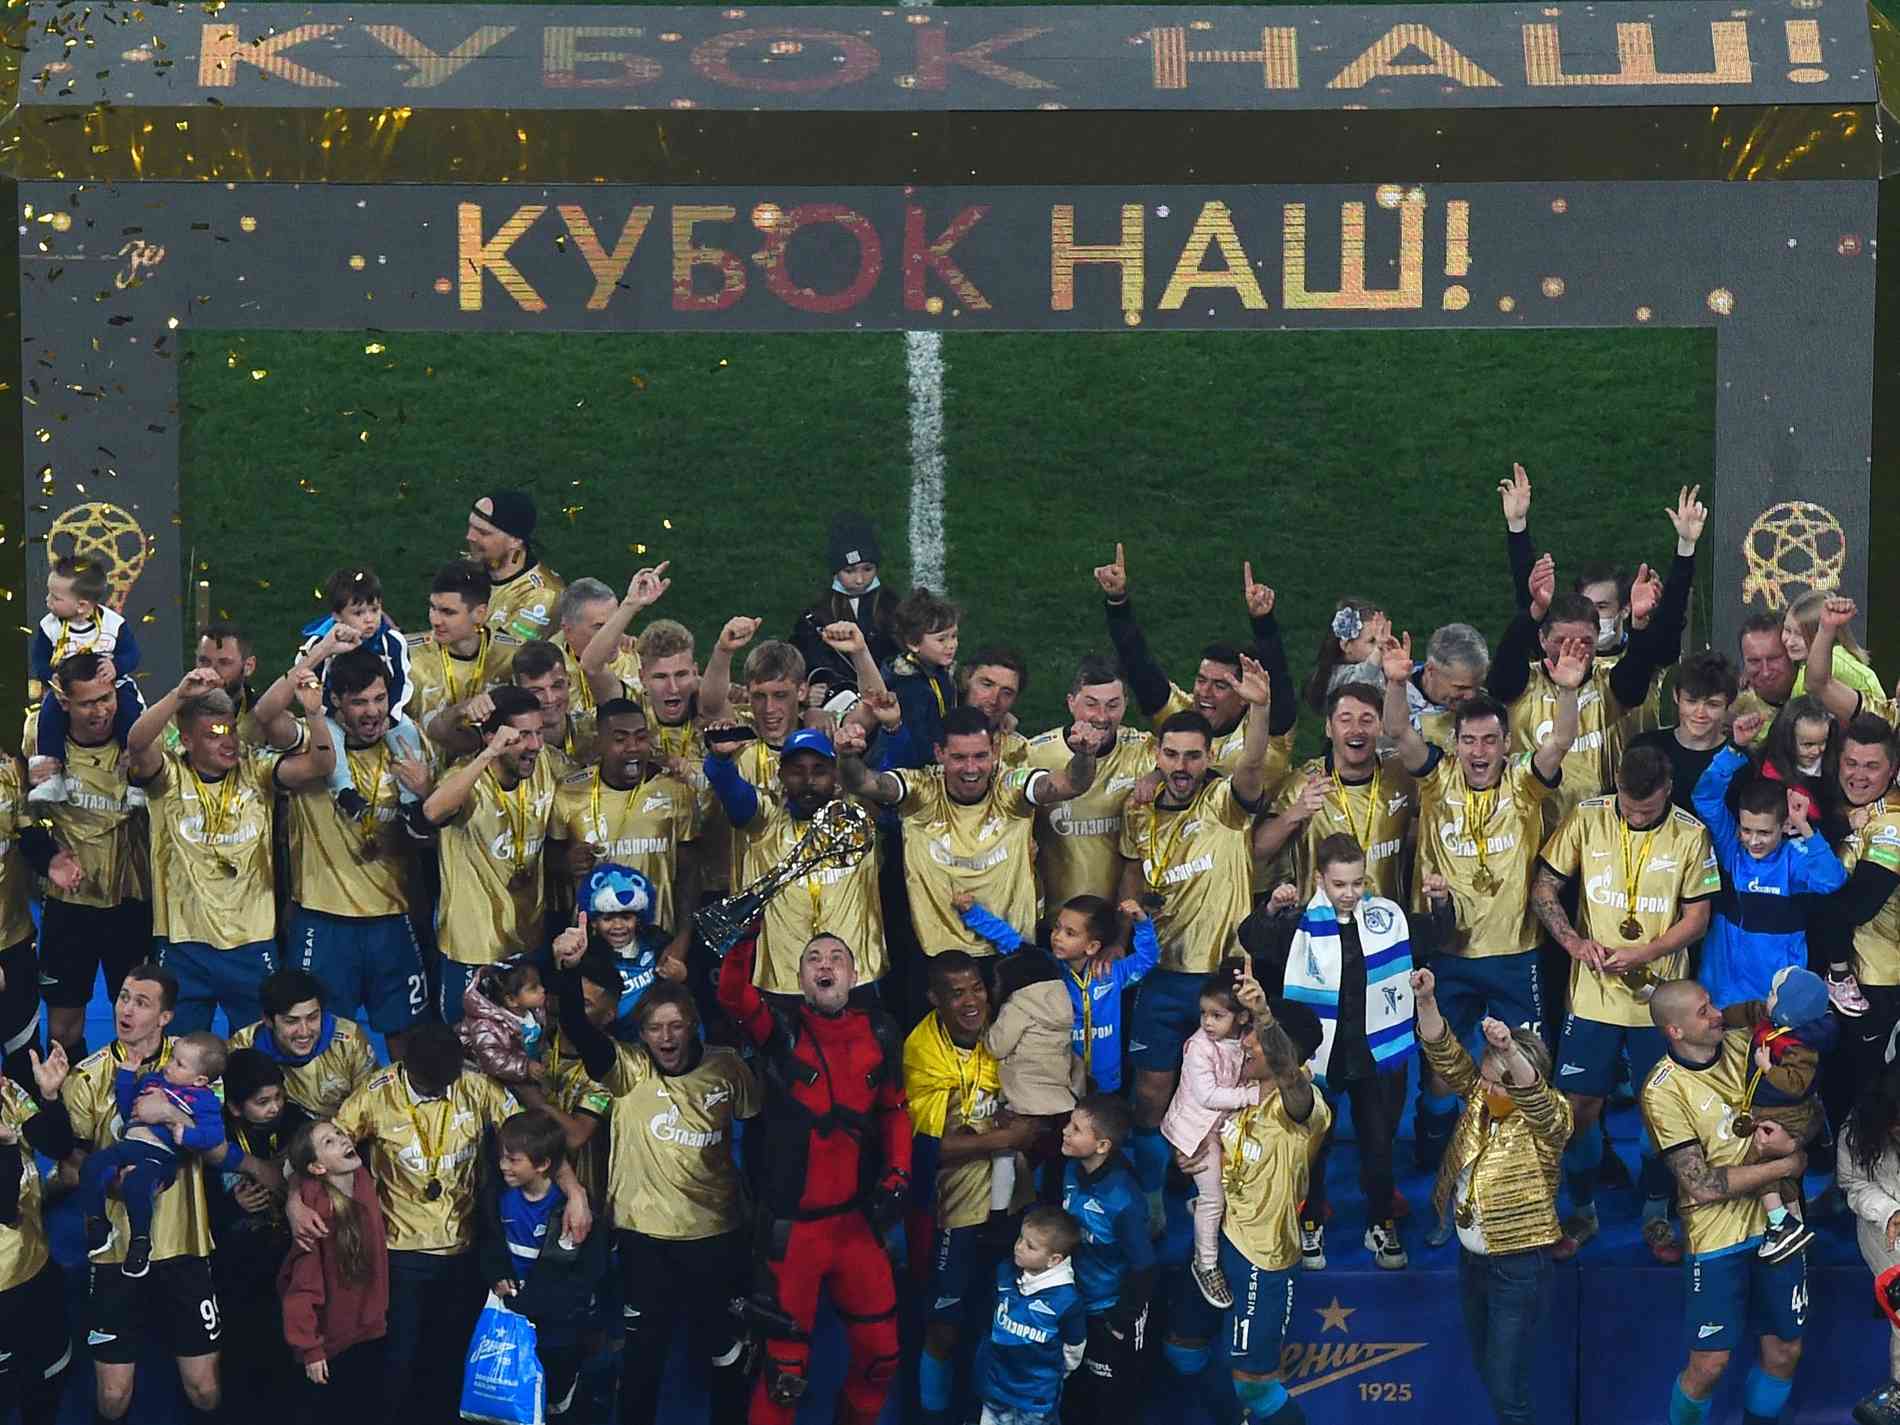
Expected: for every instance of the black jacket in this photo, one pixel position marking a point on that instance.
(558, 1285)
(875, 616)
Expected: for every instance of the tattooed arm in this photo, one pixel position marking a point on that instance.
(1550, 914)
(1703, 1184)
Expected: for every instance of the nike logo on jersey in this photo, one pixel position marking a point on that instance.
(1568, 1069)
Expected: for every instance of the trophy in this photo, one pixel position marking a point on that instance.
(837, 836)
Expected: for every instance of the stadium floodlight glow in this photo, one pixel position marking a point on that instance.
(490, 168)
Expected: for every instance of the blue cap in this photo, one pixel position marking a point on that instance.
(613, 889)
(1800, 997)
(809, 739)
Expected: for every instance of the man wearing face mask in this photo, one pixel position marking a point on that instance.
(832, 1174)
(1498, 1185)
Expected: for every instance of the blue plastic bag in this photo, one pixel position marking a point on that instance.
(503, 1383)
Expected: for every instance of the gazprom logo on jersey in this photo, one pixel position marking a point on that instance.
(941, 853)
(1009, 1326)
(502, 848)
(1065, 823)
(1603, 892)
(192, 829)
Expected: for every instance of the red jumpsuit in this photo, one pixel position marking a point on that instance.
(833, 1136)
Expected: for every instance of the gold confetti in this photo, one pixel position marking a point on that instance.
(639, 383)
(375, 348)
(263, 583)
(666, 524)
(249, 225)
(171, 323)
(1722, 301)
(636, 549)
(61, 221)
(357, 262)
(572, 511)
(302, 484)
(363, 436)
(258, 373)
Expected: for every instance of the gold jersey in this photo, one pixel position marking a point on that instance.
(16, 877)
(963, 1189)
(672, 1173)
(1671, 865)
(494, 895)
(624, 665)
(524, 605)
(1377, 813)
(1684, 1105)
(642, 826)
(681, 746)
(441, 678)
(579, 740)
(1877, 943)
(1012, 749)
(1588, 768)
(181, 1219)
(415, 1141)
(344, 867)
(838, 900)
(1199, 860)
(575, 1094)
(347, 1063)
(985, 848)
(212, 876)
(23, 1250)
(1265, 1158)
(1492, 895)
(106, 836)
(1078, 842)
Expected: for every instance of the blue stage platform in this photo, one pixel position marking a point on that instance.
(1365, 1345)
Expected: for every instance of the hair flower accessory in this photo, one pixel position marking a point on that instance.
(1347, 624)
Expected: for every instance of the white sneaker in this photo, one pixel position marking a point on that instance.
(1312, 1246)
(1388, 1252)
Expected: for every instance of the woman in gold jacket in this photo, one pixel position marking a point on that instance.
(1498, 1185)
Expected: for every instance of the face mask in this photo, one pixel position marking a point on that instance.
(1500, 1103)
(837, 587)
(1609, 632)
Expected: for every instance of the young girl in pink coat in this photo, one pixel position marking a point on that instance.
(1210, 1091)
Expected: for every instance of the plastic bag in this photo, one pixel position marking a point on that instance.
(503, 1383)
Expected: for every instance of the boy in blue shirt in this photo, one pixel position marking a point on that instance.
(1080, 929)
(1115, 1259)
(1769, 859)
(1039, 1331)
(524, 1257)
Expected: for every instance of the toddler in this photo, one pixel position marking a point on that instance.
(1786, 1057)
(356, 602)
(1211, 1089)
(923, 677)
(151, 1151)
(78, 620)
(616, 905)
(504, 1021)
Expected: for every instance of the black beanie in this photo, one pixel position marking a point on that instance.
(510, 511)
(852, 540)
(245, 1072)
(1302, 1026)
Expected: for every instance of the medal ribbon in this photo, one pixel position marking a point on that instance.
(214, 822)
(1756, 1074)
(431, 1151)
(960, 1057)
(1633, 865)
(1088, 1021)
(1160, 856)
(1364, 838)
(375, 791)
(1479, 807)
(453, 693)
(514, 809)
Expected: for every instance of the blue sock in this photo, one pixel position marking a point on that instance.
(933, 1382)
(1684, 1411)
(1582, 1159)
(1777, 1216)
(1763, 1396)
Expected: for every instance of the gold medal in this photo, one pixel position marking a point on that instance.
(1483, 882)
(1632, 928)
(370, 848)
(433, 1190)
(1743, 1125)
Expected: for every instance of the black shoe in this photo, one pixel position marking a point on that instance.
(1880, 1408)
(1783, 1240)
(98, 1236)
(350, 802)
(138, 1257)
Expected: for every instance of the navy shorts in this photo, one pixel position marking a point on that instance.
(209, 978)
(959, 1266)
(1506, 987)
(1263, 1309)
(1586, 1057)
(1167, 1011)
(372, 961)
(1732, 1295)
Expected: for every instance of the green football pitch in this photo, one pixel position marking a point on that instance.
(1338, 463)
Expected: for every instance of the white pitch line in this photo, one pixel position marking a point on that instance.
(923, 365)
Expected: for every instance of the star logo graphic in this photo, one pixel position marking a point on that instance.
(1334, 1316)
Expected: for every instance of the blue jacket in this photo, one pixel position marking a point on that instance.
(1115, 1245)
(1035, 1339)
(1104, 1016)
(388, 644)
(1761, 921)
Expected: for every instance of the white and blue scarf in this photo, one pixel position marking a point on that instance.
(1313, 971)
